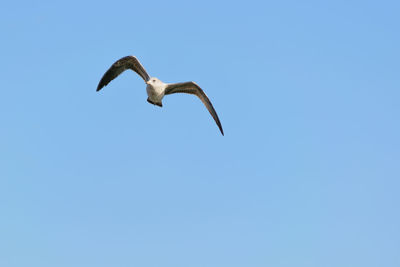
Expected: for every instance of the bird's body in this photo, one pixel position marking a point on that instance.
(156, 89)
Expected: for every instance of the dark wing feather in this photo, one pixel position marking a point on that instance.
(194, 89)
(129, 62)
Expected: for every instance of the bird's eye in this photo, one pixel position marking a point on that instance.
(154, 80)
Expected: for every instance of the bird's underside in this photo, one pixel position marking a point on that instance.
(154, 103)
(155, 87)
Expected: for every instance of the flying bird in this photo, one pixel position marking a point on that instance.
(156, 89)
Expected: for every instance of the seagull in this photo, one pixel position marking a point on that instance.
(156, 89)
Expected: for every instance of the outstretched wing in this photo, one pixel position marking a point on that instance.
(129, 62)
(194, 89)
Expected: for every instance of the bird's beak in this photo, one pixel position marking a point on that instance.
(147, 82)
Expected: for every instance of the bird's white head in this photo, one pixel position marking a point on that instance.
(154, 81)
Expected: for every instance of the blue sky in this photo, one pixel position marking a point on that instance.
(307, 173)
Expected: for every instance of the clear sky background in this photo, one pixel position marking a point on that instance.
(307, 173)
